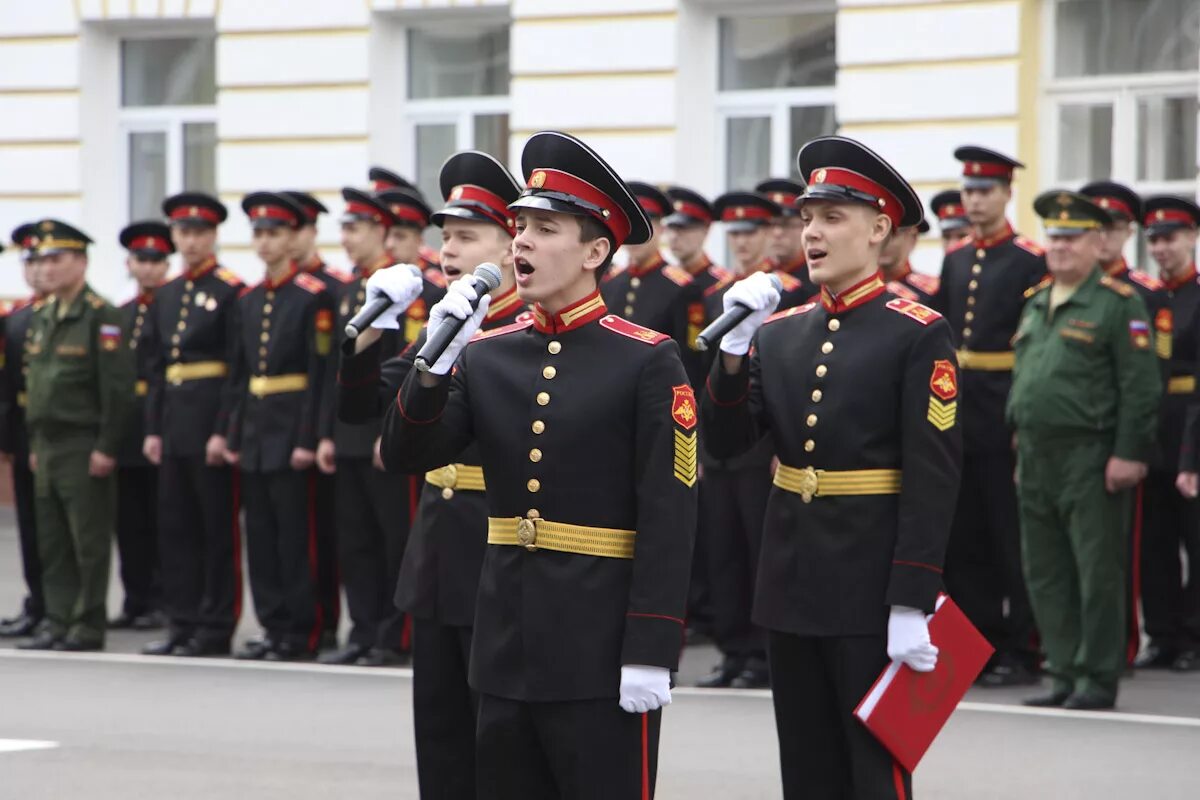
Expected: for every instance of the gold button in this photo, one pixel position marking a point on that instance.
(555, 348)
(538, 426)
(543, 398)
(262, 351)
(182, 326)
(970, 316)
(549, 372)
(533, 485)
(631, 296)
(970, 301)
(973, 285)
(966, 332)
(267, 308)
(447, 493)
(980, 253)
(262, 366)
(266, 337)
(535, 455)
(361, 296)
(809, 446)
(183, 312)
(270, 295)
(821, 370)
(266, 324)
(133, 345)
(834, 324)
(174, 352)
(811, 421)
(533, 513)
(185, 299)
(978, 268)
(817, 395)
(189, 286)
(628, 310)
(635, 282)
(175, 339)
(827, 348)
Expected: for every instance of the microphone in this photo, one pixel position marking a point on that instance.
(729, 320)
(485, 278)
(374, 309)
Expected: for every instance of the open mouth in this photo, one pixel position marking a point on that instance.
(451, 272)
(814, 255)
(523, 267)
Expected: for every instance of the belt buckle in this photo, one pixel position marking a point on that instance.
(809, 484)
(449, 476)
(527, 534)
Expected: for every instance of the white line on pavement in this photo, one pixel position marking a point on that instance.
(19, 745)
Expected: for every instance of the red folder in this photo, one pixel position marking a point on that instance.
(906, 709)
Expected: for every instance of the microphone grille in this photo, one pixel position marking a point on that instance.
(488, 274)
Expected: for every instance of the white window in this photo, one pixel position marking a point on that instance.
(168, 120)
(775, 91)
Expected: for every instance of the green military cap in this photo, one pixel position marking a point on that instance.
(55, 236)
(1066, 213)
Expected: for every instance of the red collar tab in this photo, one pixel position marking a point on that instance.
(316, 265)
(207, 266)
(638, 270)
(699, 264)
(503, 305)
(489, 203)
(1117, 268)
(1000, 238)
(987, 169)
(609, 213)
(292, 271)
(145, 297)
(837, 176)
(589, 309)
(1170, 215)
(735, 213)
(364, 210)
(693, 210)
(370, 269)
(951, 211)
(409, 214)
(196, 212)
(155, 243)
(1188, 276)
(1115, 204)
(651, 206)
(855, 296)
(904, 272)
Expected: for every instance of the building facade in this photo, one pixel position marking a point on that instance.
(108, 105)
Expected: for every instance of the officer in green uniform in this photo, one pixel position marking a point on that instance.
(81, 393)
(1084, 401)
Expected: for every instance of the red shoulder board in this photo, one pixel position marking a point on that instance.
(523, 321)
(914, 310)
(720, 273)
(926, 283)
(338, 275)
(789, 282)
(436, 277)
(629, 329)
(309, 284)
(613, 272)
(6, 308)
(429, 254)
(677, 276)
(959, 245)
(1145, 279)
(900, 290)
(228, 276)
(721, 283)
(790, 312)
(1029, 245)
(17, 305)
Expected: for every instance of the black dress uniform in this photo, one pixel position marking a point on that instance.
(137, 478)
(590, 542)
(981, 294)
(14, 440)
(854, 389)
(190, 334)
(285, 335)
(914, 286)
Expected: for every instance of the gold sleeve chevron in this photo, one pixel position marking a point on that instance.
(1162, 344)
(685, 457)
(942, 415)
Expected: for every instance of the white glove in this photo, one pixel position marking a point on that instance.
(401, 284)
(760, 296)
(644, 688)
(908, 639)
(457, 305)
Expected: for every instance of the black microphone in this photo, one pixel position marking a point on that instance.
(374, 309)
(730, 320)
(485, 278)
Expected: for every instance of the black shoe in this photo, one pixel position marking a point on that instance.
(255, 650)
(328, 640)
(70, 645)
(163, 647)
(286, 651)
(201, 648)
(382, 657)
(44, 640)
(1156, 656)
(150, 621)
(347, 655)
(1006, 672)
(1054, 699)
(1187, 661)
(754, 676)
(1090, 701)
(23, 625)
(722, 675)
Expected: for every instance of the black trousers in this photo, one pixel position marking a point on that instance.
(1170, 604)
(137, 537)
(699, 603)
(732, 506)
(983, 559)
(199, 548)
(31, 564)
(825, 753)
(373, 508)
(329, 588)
(281, 548)
(575, 750)
(444, 710)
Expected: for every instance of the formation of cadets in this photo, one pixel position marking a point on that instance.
(542, 519)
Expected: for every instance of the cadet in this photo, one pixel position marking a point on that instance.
(953, 222)
(1171, 604)
(384, 180)
(576, 630)
(852, 389)
(445, 551)
(190, 333)
(897, 269)
(80, 397)
(1085, 389)
(14, 441)
(746, 217)
(981, 293)
(285, 335)
(374, 507)
(149, 244)
(787, 232)
(404, 244)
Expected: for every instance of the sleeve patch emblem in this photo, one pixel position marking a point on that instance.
(1139, 334)
(683, 407)
(110, 337)
(944, 380)
(685, 457)
(1164, 325)
(942, 415)
(324, 320)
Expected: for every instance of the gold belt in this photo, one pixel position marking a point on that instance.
(1181, 384)
(140, 388)
(22, 399)
(540, 534)
(987, 362)
(197, 370)
(810, 483)
(461, 477)
(263, 385)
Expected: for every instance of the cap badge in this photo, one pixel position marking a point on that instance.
(777, 197)
(456, 193)
(1064, 214)
(739, 212)
(976, 168)
(47, 226)
(1104, 202)
(678, 204)
(193, 211)
(260, 211)
(1160, 214)
(819, 176)
(537, 180)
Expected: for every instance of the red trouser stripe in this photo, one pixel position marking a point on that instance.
(237, 544)
(1135, 577)
(898, 778)
(645, 757)
(314, 636)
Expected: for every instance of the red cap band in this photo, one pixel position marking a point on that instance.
(273, 212)
(951, 210)
(196, 212)
(611, 215)
(650, 205)
(836, 176)
(986, 169)
(735, 213)
(693, 210)
(362, 209)
(497, 209)
(1114, 204)
(149, 243)
(783, 198)
(1170, 215)
(409, 213)
(380, 185)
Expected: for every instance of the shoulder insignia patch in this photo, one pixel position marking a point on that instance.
(1114, 285)
(1037, 287)
(524, 321)
(900, 290)
(686, 416)
(338, 275)
(721, 284)
(631, 330)
(95, 300)
(677, 276)
(790, 312)
(1029, 245)
(959, 245)
(1145, 279)
(436, 277)
(228, 276)
(720, 273)
(309, 284)
(914, 310)
(926, 283)
(790, 283)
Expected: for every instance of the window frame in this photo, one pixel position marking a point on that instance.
(775, 104)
